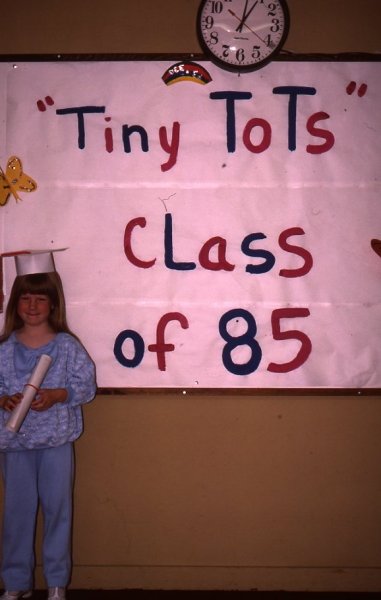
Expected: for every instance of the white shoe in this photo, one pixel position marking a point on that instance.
(15, 595)
(57, 593)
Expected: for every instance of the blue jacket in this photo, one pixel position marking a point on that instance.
(71, 368)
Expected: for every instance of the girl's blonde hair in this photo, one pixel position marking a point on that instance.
(49, 284)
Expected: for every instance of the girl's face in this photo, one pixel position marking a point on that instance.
(34, 309)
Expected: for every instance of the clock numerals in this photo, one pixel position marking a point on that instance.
(269, 42)
(240, 53)
(275, 25)
(217, 6)
(256, 52)
(209, 22)
(213, 39)
(225, 50)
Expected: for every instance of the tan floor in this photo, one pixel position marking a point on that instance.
(201, 595)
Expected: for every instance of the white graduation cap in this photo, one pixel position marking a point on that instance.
(29, 262)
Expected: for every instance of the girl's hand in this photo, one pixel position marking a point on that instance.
(9, 403)
(46, 398)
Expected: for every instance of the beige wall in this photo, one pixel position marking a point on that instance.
(57, 26)
(218, 491)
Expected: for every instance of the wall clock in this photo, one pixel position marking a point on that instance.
(242, 35)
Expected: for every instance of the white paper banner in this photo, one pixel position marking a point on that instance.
(219, 233)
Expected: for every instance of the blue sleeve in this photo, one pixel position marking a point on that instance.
(80, 376)
(3, 389)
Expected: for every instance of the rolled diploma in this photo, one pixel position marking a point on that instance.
(30, 390)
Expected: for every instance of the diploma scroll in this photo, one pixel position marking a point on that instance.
(30, 390)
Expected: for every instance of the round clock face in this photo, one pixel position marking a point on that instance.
(242, 35)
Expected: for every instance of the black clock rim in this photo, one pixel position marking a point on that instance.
(242, 68)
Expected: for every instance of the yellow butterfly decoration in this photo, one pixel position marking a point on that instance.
(14, 180)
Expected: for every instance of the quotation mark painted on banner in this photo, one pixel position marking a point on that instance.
(41, 104)
(351, 88)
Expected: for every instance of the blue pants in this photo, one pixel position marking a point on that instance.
(32, 477)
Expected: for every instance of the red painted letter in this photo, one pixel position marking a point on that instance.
(308, 261)
(322, 133)
(143, 264)
(161, 347)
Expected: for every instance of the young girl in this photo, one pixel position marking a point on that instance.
(37, 462)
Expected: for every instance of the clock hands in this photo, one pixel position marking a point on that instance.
(246, 15)
(240, 25)
(242, 21)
